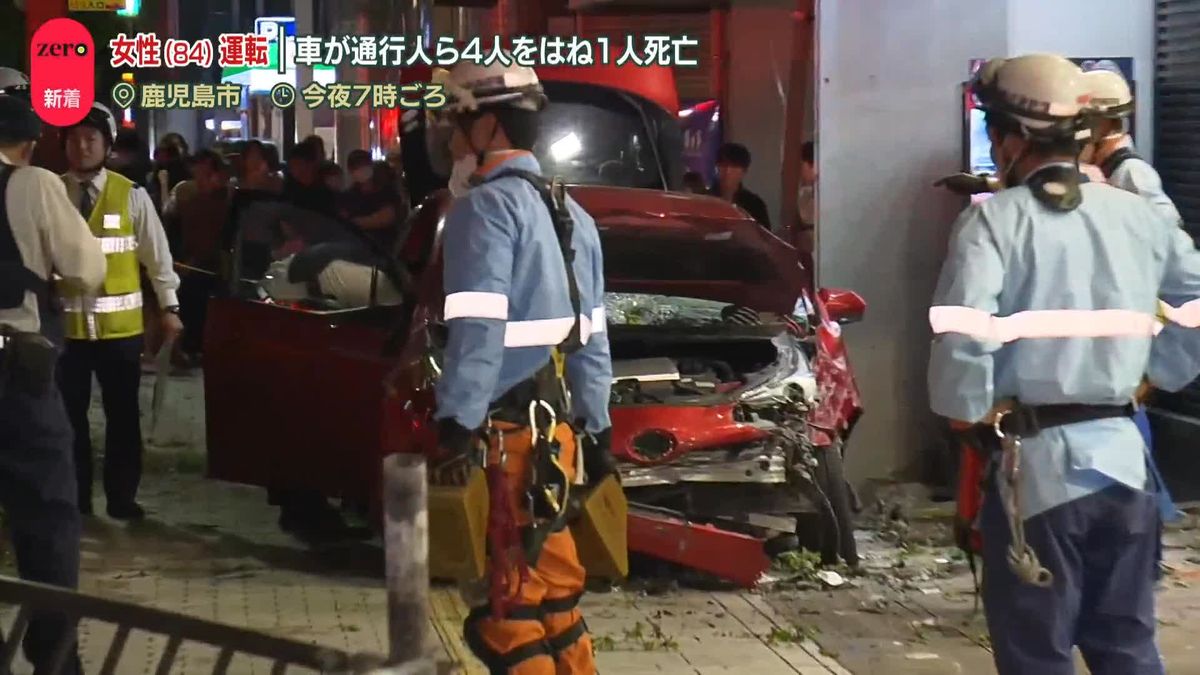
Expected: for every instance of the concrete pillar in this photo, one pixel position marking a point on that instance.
(890, 123)
(406, 539)
(760, 64)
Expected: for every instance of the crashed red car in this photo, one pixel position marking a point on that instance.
(726, 429)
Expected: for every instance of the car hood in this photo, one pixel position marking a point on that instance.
(669, 243)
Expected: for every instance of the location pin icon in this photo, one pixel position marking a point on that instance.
(123, 94)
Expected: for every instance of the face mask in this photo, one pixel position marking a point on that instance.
(362, 175)
(460, 175)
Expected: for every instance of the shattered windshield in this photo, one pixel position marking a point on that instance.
(639, 309)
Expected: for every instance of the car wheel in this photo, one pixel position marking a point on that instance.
(835, 506)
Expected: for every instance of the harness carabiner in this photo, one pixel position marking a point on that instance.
(533, 425)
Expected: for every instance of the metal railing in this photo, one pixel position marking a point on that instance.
(406, 534)
(177, 628)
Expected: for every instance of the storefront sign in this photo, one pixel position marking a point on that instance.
(95, 5)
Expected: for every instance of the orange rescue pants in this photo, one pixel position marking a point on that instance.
(544, 634)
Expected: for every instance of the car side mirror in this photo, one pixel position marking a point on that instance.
(843, 306)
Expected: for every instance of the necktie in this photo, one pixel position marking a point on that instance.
(85, 200)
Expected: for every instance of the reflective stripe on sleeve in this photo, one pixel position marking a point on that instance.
(537, 333)
(599, 320)
(1055, 323)
(476, 305)
(105, 305)
(118, 244)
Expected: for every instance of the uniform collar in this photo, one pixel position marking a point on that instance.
(495, 162)
(96, 182)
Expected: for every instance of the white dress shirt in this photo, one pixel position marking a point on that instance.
(51, 237)
(153, 251)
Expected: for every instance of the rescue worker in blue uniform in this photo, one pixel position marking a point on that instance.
(1043, 318)
(40, 233)
(1112, 149)
(1115, 160)
(523, 295)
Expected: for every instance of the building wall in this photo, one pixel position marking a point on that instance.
(889, 124)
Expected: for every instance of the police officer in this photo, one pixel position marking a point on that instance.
(1078, 265)
(104, 330)
(1112, 148)
(40, 233)
(524, 287)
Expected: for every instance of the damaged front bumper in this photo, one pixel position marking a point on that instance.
(762, 464)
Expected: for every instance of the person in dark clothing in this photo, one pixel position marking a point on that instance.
(733, 159)
(333, 177)
(130, 156)
(197, 211)
(371, 203)
(169, 169)
(419, 176)
(303, 186)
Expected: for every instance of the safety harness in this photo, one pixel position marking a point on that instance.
(540, 402)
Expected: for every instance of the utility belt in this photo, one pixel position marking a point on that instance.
(1025, 421)
(540, 403)
(544, 386)
(27, 362)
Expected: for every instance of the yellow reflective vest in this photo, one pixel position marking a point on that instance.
(117, 311)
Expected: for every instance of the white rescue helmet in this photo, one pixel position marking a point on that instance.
(101, 119)
(1045, 96)
(1111, 96)
(11, 77)
(470, 87)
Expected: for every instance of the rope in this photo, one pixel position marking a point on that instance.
(1021, 557)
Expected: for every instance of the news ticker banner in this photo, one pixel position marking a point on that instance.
(63, 65)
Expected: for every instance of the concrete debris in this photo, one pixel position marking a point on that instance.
(831, 578)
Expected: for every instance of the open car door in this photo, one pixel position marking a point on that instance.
(293, 377)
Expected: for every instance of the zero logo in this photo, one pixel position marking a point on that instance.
(62, 71)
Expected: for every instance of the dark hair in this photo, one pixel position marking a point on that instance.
(211, 158)
(357, 159)
(735, 154)
(18, 121)
(383, 177)
(317, 142)
(520, 126)
(305, 151)
(268, 151)
(808, 152)
(174, 144)
(330, 169)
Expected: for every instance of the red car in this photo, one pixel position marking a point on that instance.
(733, 394)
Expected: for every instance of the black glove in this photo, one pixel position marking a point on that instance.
(454, 439)
(966, 184)
(598, 460)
